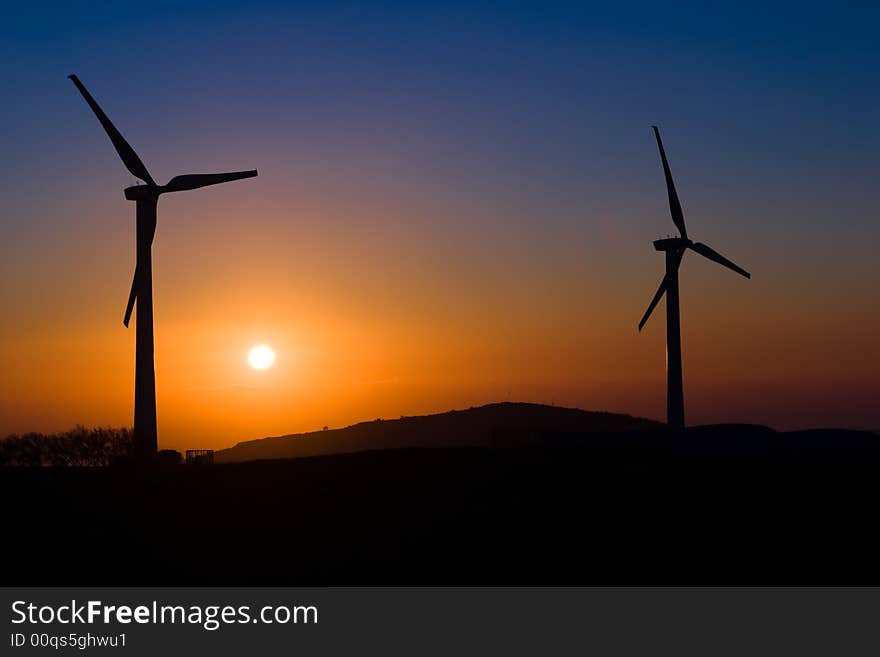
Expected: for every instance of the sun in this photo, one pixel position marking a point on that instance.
(261, 357)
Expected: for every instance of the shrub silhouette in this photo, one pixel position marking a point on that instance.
(81, 446)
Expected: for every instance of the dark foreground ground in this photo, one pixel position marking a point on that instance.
(717, 506)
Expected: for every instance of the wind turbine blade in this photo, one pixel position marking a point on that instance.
(712, 254)
(129, 158)
(196, 180)
(657, 296)
(674, 204)
(131, 297)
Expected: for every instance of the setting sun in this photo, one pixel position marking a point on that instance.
(261, 357)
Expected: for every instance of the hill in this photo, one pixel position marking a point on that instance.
(493, 425)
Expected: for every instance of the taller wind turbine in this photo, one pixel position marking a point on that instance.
(146, 198)
(675, 248)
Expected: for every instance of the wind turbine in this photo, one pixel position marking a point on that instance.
(675, 248)
(146, 198)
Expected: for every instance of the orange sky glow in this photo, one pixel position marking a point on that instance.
(385, 315)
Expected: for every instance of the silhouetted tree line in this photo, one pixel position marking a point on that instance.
(80, 446)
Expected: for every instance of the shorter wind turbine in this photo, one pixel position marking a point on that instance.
(675, 248)
(146, 198)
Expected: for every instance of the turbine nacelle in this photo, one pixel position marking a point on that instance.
(672, 244)
(141, 193)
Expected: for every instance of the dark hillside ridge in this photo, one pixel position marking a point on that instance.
(505, 424)
(536, 425)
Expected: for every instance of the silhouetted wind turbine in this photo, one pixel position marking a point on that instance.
(146, 197)
(675, 248)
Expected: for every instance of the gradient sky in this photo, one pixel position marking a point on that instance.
(455, 205)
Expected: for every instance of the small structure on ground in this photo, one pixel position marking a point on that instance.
(200, 457)
(169, 456)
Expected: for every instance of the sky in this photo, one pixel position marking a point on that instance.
(455, 205)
